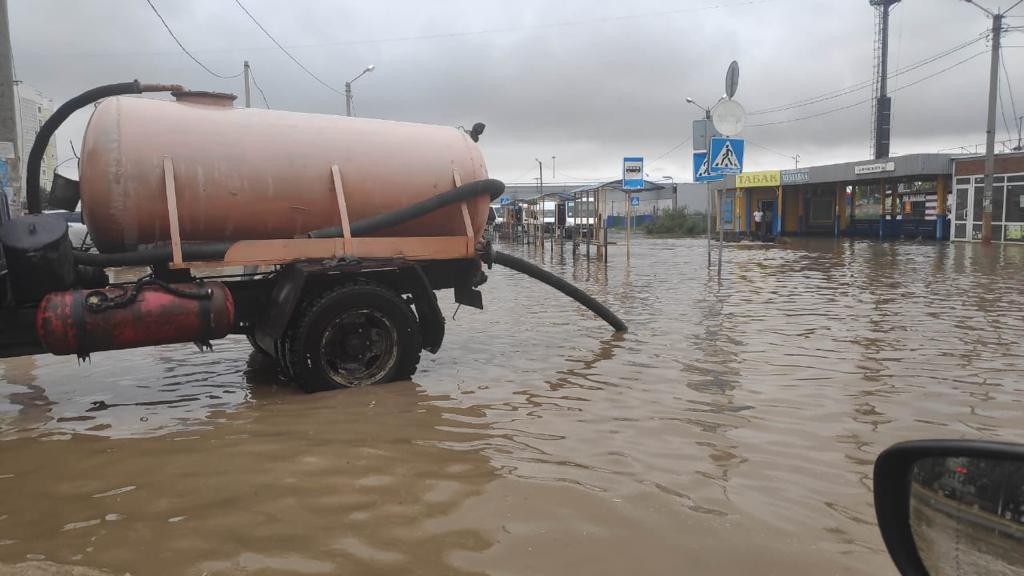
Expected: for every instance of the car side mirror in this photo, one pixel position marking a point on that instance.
(952, 506)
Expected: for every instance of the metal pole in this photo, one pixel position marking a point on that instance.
(990, 133)
(245, 73)
(540, 183)
(552, 168)
(707, 158)
(721, 233)
(629, 212)
(348, 99)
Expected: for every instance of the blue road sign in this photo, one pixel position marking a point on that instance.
(633, 173)
(700, 169)
(505, 200)
(726, 155)
(634, 201)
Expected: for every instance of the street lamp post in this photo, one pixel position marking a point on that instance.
(348, 89)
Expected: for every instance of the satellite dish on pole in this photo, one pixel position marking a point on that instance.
(732, 79)
(729, 117)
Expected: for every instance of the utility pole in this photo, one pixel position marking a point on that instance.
(1020, 124)
(9, 113)
(882, 120)
(552, 168)
(245, 74)
(796, 161)
(990, 131)
(348, 99)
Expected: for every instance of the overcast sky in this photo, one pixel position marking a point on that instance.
(588, 81)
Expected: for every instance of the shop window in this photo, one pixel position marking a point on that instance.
(1017, 178)
(960, 205)
(1014, 233)
(867, 201)
(821, 208)
(960, 231)
(998, 193)
(1015, 203)
(963, 181)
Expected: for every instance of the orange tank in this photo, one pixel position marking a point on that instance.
(253, 174)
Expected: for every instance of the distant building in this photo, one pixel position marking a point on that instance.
(33, 111)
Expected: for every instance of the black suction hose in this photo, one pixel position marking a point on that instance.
(190, 251)
(560, 284)
(493, 188)
(46, 131)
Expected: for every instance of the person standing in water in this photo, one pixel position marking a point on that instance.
(758, 220)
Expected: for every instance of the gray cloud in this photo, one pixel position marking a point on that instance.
(588, 81)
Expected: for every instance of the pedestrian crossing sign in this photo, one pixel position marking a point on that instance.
(700, 169)
(726, 155)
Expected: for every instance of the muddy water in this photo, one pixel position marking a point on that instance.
(732, 431)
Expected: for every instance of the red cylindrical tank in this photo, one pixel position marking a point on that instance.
(66, 324)
(252, 174)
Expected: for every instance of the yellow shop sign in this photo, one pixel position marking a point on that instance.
(755, 179)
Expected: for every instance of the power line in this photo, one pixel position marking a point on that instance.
(258, 88)
(285, 50)
(671, 150)
(763, 147)
(185, 50)
(862, 102)
(1009, 85)
(833, 94)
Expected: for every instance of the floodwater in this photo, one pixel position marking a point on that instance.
(731, 431)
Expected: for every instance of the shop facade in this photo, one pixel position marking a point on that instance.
(902, 196)
(1007, 198)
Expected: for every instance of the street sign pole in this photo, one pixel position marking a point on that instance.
(707, 198)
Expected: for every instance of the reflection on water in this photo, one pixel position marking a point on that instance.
(732, 430)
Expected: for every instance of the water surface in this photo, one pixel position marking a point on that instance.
(731, 431)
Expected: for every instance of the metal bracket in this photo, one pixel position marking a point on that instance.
(346, 230)
(172, 212)
(470, 236)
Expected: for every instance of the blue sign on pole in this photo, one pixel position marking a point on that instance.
(634, 201)
(505, 200)
(726, 155)
(700, 169)
(633, 173)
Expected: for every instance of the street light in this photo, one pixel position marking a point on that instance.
(348, 89)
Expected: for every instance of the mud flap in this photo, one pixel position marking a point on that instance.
(284, 298)
(431, 320)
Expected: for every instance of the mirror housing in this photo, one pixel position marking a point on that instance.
(893, 475)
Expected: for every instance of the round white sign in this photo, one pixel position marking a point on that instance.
(728, 117)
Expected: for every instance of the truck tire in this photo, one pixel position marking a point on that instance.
(353, 335)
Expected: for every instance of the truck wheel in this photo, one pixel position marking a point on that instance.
(353, 335)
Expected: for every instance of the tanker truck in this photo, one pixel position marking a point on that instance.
(328, 236)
